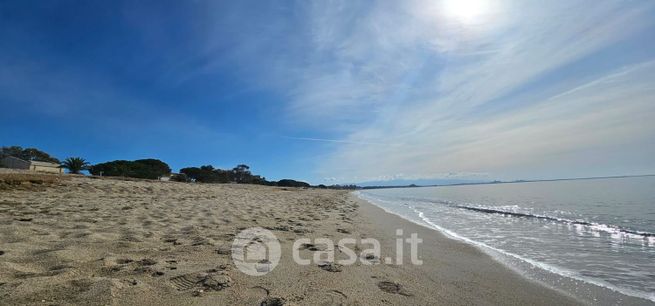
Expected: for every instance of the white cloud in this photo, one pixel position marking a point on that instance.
(436, 116)
(609, 113)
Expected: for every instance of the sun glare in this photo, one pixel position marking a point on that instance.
(465, 10)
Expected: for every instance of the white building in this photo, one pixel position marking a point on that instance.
(39, 166)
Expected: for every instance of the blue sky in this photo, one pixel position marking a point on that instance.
(336, 91)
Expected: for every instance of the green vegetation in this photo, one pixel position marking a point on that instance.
(240, 174)
(155, 169)
(208, 174)
(75, 164)
(291, 183)
(142, 168)
(31, 154)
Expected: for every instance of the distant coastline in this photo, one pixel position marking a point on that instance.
(508, 182)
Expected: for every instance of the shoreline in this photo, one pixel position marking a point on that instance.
(465, 274)
(581, 290)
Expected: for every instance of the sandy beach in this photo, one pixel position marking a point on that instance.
(116, 242)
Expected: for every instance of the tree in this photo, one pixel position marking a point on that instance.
(75, 164)
(27, 154)
(143, 168)
(152, 168)
(208, 174)
(241, 174)
(291, 183)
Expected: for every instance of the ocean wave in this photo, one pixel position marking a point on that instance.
(519, 212)
(546, 267)
(612, 229)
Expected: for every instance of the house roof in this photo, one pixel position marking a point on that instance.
(14, 158)
(44, 164)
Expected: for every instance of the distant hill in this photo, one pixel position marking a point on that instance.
(424, 182)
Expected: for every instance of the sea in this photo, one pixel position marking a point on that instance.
(593, 239)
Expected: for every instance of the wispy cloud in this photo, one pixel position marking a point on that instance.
(502, 97)
(340, 141)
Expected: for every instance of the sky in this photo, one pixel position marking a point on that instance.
(337, 91)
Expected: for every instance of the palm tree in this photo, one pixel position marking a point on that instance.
(75, 164)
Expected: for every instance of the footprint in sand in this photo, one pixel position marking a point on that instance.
(122, 261)
(311, 247)
(254, 295)
(147, 262)
(183, 282)
(59, 268)
(171, 264)
(224, 250)
(392, 287)
(157, 274)
(272, 301)
(202, 280)
(330, 266)
(326, 298)
(343, 231)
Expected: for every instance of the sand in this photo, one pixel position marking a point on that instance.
(119, 242)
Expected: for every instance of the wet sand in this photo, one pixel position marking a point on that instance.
(105, 241)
